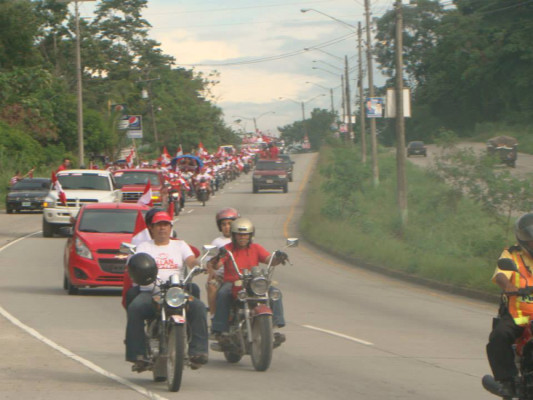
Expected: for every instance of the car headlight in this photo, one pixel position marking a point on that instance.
(156, 196)
(175, 297)
(259, 286)
(48, 203)
(282, 176)
(82, 250)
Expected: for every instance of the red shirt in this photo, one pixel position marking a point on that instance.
(245, 258)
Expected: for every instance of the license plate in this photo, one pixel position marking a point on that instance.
(270, 181)
(26, 204)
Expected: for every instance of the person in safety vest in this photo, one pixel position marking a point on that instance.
(518, 311)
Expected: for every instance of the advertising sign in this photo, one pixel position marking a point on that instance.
(134, 130)
(375, 107)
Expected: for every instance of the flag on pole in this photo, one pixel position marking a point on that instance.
(202, 152)
(140, 233)
(165, 157)
(146, 197)
(179, 152)
(57, 186)
(130, 157)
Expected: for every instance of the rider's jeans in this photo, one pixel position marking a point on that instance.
(224, 299)
(141, 308)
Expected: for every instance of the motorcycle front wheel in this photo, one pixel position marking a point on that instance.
(176, 356)
(262, 342)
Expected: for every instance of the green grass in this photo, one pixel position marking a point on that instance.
(448, 238)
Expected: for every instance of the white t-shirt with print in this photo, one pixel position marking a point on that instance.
(170, 258)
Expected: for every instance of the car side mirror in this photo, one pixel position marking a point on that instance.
(118, 185)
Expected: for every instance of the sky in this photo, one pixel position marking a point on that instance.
(259, 50)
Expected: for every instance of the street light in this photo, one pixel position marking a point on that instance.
(331, 65)
(303, 107)
(323, 51)
(254, 118)
(325, 70)
(304, 10)
(330, 93)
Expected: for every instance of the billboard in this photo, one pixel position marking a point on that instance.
(375, 107)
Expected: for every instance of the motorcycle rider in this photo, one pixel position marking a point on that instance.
(223, 218)
(247, 255)
(171, 256)
(518, 310)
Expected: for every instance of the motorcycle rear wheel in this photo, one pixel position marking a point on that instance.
(176, 357)
(262, 342)
(231, 357)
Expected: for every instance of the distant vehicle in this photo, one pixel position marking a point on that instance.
(504, 147)
(270, 174)
(81, 186)
(91, 255)
(133, 181)
(289, 164)
(416, 148)
(27, 195)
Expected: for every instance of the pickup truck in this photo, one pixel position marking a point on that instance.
(81, 186)
(133, 181)
(270, 174)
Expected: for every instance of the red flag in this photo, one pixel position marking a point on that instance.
(146, 197)
(130, 157)
(57, 186)
(171, 209)
(179, 152)
(165, 157)
(140, 233)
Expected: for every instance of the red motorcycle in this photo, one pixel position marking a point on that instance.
(250, 330)
(523, 347)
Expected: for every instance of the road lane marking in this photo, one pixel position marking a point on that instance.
(68, 353)
(81, 360)
(360, 341)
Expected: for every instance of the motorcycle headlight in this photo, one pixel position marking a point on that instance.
(82, 250)
(259, 286)
(175, 297)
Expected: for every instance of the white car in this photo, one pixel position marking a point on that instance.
(81, 186)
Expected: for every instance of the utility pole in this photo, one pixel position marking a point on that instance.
(303, 119)
(152, 113)
(400, 121)
(361, 96)
(332, 104)
(375, 168)
(81, 151)
(343, 93)
(348, 105)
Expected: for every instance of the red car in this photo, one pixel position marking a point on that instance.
(92, 256)
(133, 181)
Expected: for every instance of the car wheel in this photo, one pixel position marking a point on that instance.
(65, 282)
(71, 289)
(48, 229)
(255, 189)
(9, 210)
(285, 188)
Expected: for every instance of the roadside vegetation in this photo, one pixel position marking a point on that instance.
(456, 228)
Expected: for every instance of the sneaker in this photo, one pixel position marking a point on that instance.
(140, 366)
(504, 389)
(279, 338)
(198, 360)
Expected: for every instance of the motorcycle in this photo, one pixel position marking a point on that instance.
(202, 191)
(250, 330)
(523, 346)
(168, 335)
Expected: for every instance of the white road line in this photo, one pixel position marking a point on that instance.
(68, 353)
(361, 341)
(190, 211)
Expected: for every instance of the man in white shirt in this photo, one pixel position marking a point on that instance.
(171, 256)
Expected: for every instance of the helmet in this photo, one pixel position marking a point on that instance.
(142, 268)
(226, 213)
(150, 214)
(523, 231)
(242, 225)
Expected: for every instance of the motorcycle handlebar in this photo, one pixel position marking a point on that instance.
(521, 292)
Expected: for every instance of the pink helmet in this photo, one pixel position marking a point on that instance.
(226, 213)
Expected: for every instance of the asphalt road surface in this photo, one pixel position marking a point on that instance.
(351, 334)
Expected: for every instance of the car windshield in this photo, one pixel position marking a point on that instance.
(416, 144)
(136, 178)
(78, 181)
(108, 221)
(271, 165)
(31, 185)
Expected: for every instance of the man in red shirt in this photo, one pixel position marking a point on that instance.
(247, 255)
(64, 165)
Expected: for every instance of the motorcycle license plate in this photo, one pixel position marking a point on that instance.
(26, 204)
(270, 181)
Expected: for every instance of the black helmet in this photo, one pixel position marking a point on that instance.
(523, 230)
(142, 268)
(226, 213)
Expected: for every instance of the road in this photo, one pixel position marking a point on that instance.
(351, 334)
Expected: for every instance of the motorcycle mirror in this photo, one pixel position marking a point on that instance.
(506, 264)
(292, 242)
(127, 248)
(209, 249)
